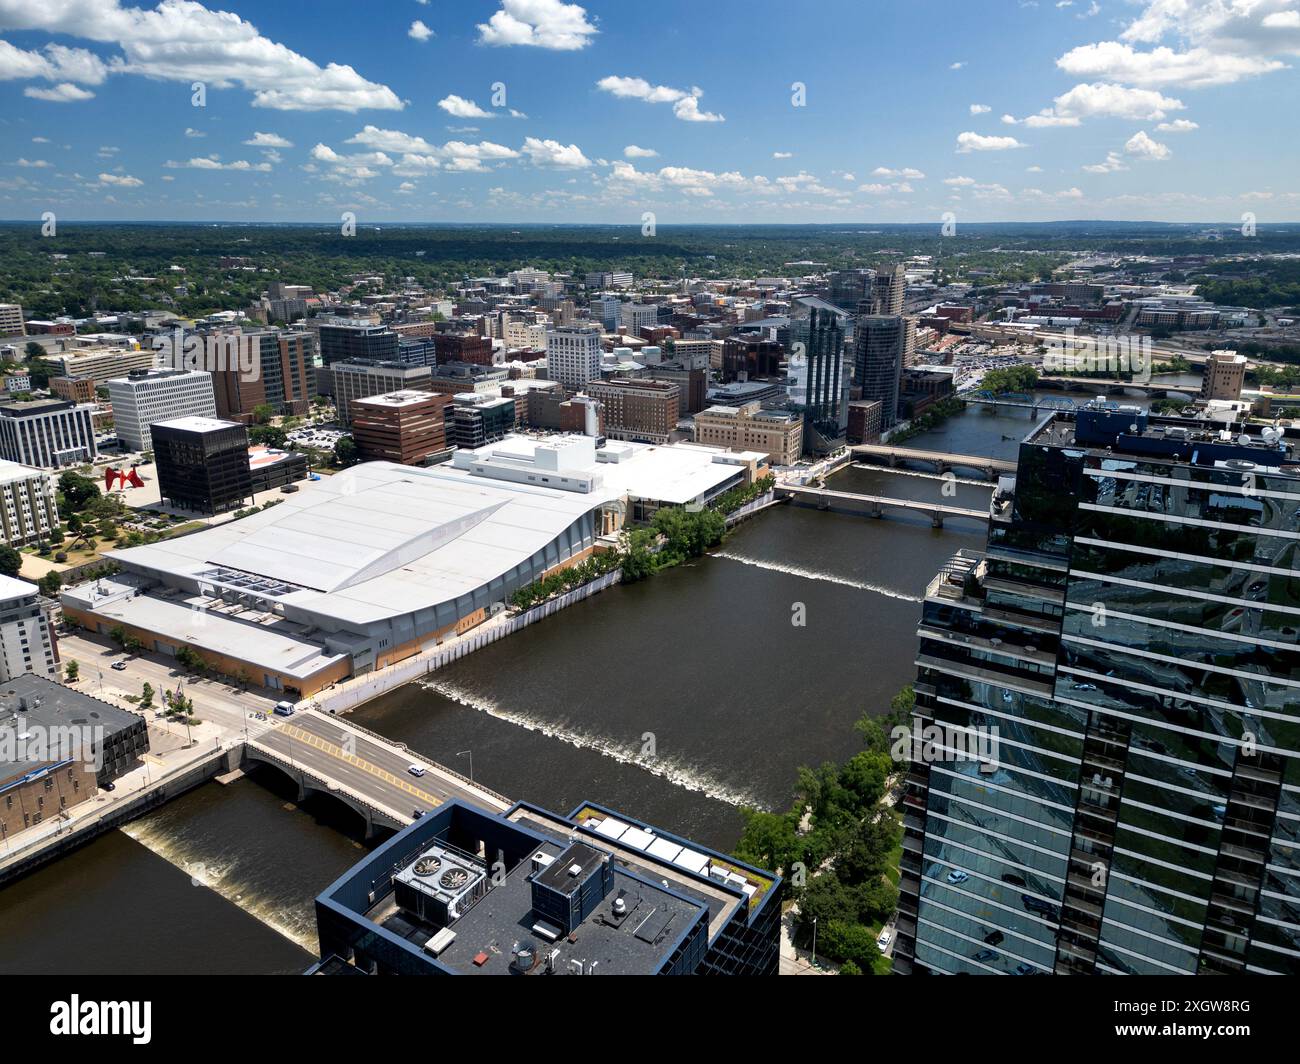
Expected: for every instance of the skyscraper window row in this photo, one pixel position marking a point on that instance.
(1278, 675)
(1116, 511)
(1030, 801)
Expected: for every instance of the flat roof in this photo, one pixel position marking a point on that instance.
(196, 423)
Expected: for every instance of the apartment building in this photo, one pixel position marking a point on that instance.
(573, 355)
(28, 504)
(638, 409)
(50, 433)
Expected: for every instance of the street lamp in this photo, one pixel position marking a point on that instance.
(470, 755)
(814, 944)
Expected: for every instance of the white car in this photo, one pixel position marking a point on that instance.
(958, 876)
(415, 770)
(883, 940)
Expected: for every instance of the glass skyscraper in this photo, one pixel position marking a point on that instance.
(1126, 645)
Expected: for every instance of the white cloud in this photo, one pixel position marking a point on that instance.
(64, 92)
(213, 163)
(980, 108)
(1112, 163)
(55, 62)
(268, 140)
(958, 65)
(181, 40)
(634, 152)
(462, 108)
(191, 132)
(968, 142)
(1100, 100)
(906, 172)
(959, 182)
(538, 23)
(120, 180)
(553, 153)
(1282, 20)
(35, 164)
(1144, 147)
(419, 31)
(685, 102)
(783, 155)
(1178, 125)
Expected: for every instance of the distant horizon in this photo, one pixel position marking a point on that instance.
(362, 223)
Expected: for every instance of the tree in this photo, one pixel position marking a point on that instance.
(50, 584)
(11, 562)
(76, 491)
(34, 350)
(72, 670)
(118, 634)
(262, 413)
(146, 695)
(268, 436)
(345, 452)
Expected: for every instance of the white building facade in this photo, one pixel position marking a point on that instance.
(145, 397)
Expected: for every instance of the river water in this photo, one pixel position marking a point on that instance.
(678, 700)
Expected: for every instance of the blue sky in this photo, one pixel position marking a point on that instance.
(544, 111)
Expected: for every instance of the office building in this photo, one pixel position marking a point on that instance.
(1125, 650)
(50, 433)
(463, 347)
(475, 419)
(271, 467)
(776, 433)
(74, 389)
(573, 355)
(847, 288)
(28, 504)
(864, 422)
(202, 464)
(409, 428)
(72, 745)
(148, 395)
(283, 377)
(1225, 374)
(633, 317)
(882, 347)
(102, 366)
(591, 893)
(887, 291)
(360, 380)
(11, 320)
(645, 410)
(825, 412)
(347, 341)
(27, 643)
(750, 357)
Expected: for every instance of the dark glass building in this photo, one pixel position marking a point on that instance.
(826, 409)
(882, 347)
(464, 891)
(346, 341)
(202, 463)
(1126, 646)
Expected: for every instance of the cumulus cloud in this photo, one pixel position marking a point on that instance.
(1178, 125)
(980, 108)
(462, 108)
(906, 172)
(539, 24)
(686, 102)
(634, 152)
(181, 40)
(211, 162)
(419, 31)
(1144, 147)
(64, 92)
(120, 180)
(783, 155)
(268, 140)
(1110, 165)
(553, 153)
(968, 142)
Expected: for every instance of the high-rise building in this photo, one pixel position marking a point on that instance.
(633, 317)
(50, 433)
(361, 379)
(202, 463)
(1110, 691)
(644, 410)
(27, 642)
(344, 341)
(1225, 373)
(405, 427)
(750, 357)
(573, 355)
(888, 289)
(145, 396)
(825, 409)
(28, 504)
(882, 347)
(847, 288)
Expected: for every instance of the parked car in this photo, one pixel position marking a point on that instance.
(118, 666)
(985, 955)
(882, 941)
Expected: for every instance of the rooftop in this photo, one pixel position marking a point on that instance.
(196, 423)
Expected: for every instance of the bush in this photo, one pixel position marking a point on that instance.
(61, 556)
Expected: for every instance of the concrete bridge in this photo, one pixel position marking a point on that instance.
(941, 461)
(1150, 387)
(873, 505)
(364, 771)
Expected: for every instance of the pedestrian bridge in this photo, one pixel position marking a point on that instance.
(873, 505)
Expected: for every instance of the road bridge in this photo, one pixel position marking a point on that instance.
(942, 461)
(873, 505)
